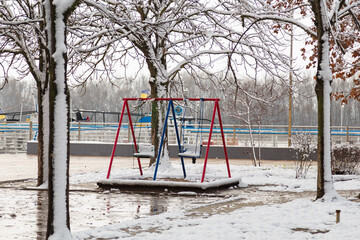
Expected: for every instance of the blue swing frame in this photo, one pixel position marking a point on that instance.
(170, 105)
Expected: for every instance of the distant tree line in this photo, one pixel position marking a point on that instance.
(107, 96)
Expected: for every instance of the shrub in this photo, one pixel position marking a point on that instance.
(345, 159)
(304, 145)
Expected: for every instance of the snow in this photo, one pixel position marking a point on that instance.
(298, 219)
(191, 150)
(327, 78)
(145, 150)
(63, 5)
(293, 220)
(325, 75)
(255, 210)
(61, 230)
(169, 184)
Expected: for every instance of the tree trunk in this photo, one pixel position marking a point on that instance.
(43, 135)
(323, 91)
(40, 137)
(251, 133)
(43, 111)
(58, 226)
(319, 90)
(159, 89)
(154, 123)
(158, 113)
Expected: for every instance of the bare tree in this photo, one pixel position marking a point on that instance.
(23, 50)
(251, 102)
(24, 53)
(169, 37)
(334, 28)
(326, 17)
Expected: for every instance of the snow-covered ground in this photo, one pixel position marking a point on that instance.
(270, 204)
(232, 218)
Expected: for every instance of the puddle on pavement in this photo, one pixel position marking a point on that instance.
(23, 213)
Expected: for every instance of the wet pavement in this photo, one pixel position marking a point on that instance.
(23, 213)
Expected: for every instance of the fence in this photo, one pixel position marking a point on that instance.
(14, 136)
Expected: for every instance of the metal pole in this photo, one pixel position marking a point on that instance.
(162, 141)
(79, 131)
(223, 139)
(178, 138)
(30, 130)
(208, 144)
(341, 117)
(21, 110)
(290, 87)
(116, 140)
(234, 135)
(133, 134)
(181, 136)
(129, 132)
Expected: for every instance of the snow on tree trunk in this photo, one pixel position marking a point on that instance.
(325, 186)
(326, 76)
(46, 133)
(159, 89)
(58, 214)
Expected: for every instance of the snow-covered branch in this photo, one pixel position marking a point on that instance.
(293, 21)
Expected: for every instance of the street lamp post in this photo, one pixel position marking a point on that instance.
(290, 87)
(341, 117)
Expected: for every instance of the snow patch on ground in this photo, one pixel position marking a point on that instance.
(298, 219)
(256, 210)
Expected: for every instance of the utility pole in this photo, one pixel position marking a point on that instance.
(290, 86)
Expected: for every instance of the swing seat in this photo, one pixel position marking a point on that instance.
(191, 151)
(145, 151)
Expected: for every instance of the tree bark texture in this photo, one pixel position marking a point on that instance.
(158, 112)
(323, 81)
(40, 137)
(54, 192)
(42, 87)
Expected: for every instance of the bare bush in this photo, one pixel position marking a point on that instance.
(345, 159)
(304, 145)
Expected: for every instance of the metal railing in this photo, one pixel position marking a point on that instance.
(14, 136)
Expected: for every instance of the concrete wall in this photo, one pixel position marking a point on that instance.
(126, 150)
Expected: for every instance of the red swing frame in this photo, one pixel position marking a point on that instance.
(216, 108)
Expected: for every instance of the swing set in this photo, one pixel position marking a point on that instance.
(186, 150)
(192, 151)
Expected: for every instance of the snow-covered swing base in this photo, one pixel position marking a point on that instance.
(172, 184)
